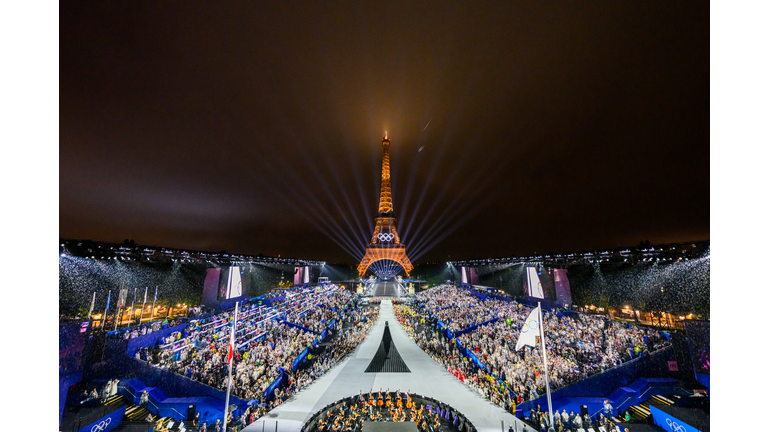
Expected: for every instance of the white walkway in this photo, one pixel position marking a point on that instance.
(348, 378)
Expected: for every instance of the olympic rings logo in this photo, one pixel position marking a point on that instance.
(675, 427)
(532, 325)
(386, 236)
(101, 426)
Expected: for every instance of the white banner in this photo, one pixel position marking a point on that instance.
(235, 288)
(530, 331)
(534, 284)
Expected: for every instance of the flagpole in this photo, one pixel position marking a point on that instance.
(153, 306)
(546, 372)
(120, 305)
(104, 318)
(93, 303)
(132, 305)
(90, 312)
(117, 317)
(141, 316)
(230, 360)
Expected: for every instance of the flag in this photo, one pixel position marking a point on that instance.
(530, 330)
(109, 296)
(93, 303)
(155, 293)
(232, 338)
(534, 284)
(121, 298)
(231, 346)
(145, 294)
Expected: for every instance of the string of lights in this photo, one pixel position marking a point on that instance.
(129, 251)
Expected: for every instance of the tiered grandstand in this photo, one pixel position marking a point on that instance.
(301, 351)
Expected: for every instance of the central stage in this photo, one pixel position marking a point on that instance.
(389, 427)
(349, 378)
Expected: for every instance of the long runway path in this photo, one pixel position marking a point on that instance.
(348, 378)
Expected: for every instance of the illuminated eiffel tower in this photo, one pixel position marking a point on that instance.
(385, 244)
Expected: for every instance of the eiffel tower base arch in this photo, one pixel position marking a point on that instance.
(373, 255)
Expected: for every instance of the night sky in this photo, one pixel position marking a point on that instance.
(516, 127)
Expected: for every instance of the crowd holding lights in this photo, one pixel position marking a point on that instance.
(679, 286)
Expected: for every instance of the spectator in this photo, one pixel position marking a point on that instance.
(577, 423)
(607, 409)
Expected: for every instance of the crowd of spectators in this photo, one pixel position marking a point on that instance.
(419, 326)
(458, 309)
(577, 346)
(353, 330)
(576, 349)
(317, 314)
(268, 340)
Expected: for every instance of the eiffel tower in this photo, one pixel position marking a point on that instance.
(385, 244)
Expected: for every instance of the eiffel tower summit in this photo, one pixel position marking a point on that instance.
(385, 252)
